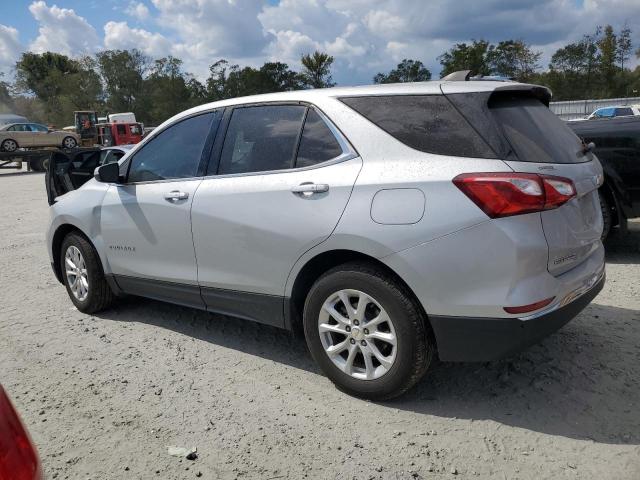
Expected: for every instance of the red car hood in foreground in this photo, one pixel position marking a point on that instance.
(18, 456)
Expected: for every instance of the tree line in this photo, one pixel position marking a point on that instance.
(48, 87)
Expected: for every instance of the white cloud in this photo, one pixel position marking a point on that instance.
(137, 10)
(119, 36)
(216, 27)
(62, 30)
(10, 47)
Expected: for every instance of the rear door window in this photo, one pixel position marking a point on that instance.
(261, 138)
(317, 144)
(429, 123)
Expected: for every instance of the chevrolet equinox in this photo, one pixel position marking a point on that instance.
(389, 223)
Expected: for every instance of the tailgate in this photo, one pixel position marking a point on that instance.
(516, 122)
(572, 231)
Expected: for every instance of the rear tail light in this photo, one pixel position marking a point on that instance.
(507, 194)
(18, 457)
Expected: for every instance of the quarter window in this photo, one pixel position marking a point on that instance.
(174, 153)
(429, 123)
(261, 138)
(318, 144)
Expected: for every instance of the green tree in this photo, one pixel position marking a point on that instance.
(62, 84)
(608, 46)
(123, 73)
(6, 99)
(406, 71)
(167, 90)
(513, 59)
(464, 56)
(316, 70)
(625, 46)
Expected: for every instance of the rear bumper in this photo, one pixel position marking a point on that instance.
(468, 339)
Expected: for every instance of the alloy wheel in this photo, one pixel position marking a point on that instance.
(76, 271)
(357, 334)
(9, 146)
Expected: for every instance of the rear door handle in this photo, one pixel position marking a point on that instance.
(308, 189)
(176, 195)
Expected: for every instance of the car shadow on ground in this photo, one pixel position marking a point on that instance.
(582, 382)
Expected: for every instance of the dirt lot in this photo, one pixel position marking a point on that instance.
(104, 396)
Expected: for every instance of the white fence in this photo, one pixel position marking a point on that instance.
(582, 108)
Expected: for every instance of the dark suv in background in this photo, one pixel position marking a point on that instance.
(617, 145)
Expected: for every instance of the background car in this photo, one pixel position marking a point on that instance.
(615, 111)
(19, 458)
(33, 135)
(617, 145)
(390, 223)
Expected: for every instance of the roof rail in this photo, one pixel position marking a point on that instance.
(459, 76)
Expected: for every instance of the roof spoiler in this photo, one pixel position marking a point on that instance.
(541, 93)
(459, 76)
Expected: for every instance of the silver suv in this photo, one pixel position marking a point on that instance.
(390, 223)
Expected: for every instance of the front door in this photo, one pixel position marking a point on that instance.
(269, 203)
(146, 221)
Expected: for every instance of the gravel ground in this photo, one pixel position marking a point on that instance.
(104, 395)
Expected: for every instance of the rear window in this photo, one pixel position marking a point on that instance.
(534, 133)
(429, 123)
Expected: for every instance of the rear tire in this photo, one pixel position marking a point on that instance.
(409, 357)
(607, 216)
(92, 293)
(9, 145)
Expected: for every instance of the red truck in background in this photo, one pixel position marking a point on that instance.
(120, 129)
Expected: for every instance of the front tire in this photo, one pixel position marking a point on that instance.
(69, 143)
(83, 275)
(9, 145)
(366, 332)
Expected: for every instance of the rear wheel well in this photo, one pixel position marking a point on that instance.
(324, 262)
(607, 192)
(56, 244)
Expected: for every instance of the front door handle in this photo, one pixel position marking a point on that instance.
(308, 189)
(176, 195)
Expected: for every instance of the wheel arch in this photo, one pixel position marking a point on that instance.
(316, 266)
(56, 243)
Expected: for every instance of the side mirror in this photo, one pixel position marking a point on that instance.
(109, 173)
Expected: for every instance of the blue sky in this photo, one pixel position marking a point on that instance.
(364, 36)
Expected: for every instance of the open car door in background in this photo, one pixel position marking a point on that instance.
(69, 171)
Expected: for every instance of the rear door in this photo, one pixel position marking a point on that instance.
(542, 143)
(280, 189)
(21, 133)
